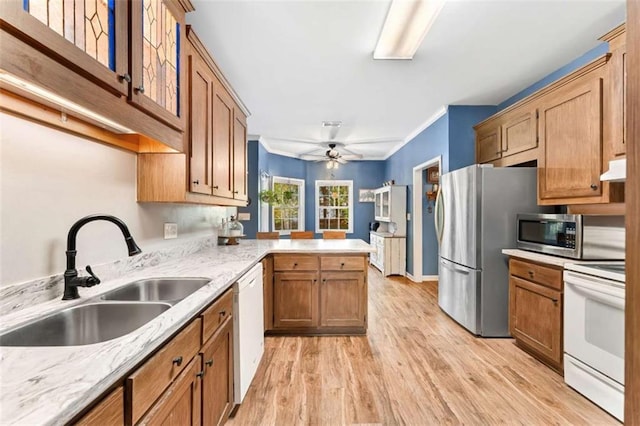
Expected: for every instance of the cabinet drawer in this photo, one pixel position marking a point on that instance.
(540, 274)
(216, 314)
(149, 381)
(295, 263)
(342, 263)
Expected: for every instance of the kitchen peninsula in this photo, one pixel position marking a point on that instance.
(310, 293)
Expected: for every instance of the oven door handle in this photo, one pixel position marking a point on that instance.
(597, 292)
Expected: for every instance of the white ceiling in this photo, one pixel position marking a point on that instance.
(297, 63)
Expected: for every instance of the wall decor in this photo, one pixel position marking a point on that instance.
(366, 196)
(433, 174)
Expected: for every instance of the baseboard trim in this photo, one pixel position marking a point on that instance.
(424, 278)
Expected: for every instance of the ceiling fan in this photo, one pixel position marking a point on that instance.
(332, 156)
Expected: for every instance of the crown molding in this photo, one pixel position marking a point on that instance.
(439, 113)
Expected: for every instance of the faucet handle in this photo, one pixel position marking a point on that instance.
(93, 279)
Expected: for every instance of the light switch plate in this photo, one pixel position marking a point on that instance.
(408, 216)
(170, 231)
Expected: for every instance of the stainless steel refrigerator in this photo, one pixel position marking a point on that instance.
(475, 219)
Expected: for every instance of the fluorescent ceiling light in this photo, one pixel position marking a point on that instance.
(65, 104)
(407, 22)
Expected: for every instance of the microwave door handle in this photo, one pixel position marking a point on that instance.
(595, 292)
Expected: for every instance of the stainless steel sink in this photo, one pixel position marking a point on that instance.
(170, 290)
(84, 324)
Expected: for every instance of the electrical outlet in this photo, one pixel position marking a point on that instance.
(244, 216)
(408, 216)
(170, 231)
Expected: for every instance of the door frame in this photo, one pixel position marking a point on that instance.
(418, 193)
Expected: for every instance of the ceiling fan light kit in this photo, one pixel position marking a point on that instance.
(405, 26)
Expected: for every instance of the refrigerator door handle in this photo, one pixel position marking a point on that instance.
(439, 216)
(451, 266)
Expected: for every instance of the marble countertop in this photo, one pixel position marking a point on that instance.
(539, 257)
(50, 385)
(386, 234)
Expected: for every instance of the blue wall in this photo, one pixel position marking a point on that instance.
(253, 177)
(597, 51)
(364, 174)
(462, 146)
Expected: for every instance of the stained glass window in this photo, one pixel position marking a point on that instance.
(89, 24)
(161, 55)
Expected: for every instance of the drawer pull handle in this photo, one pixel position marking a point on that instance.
(555, 301)
(594, 186)
(177, 361)
(531, 274)
(295, 264)
(223, 313)
(200, 374)
(209, 362)
(342, 265)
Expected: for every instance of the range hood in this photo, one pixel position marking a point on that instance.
(617, 171)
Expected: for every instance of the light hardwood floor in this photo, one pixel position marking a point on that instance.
(416, 366)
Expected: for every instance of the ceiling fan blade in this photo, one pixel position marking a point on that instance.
(351, 157)
(341, 160)
(302, 141)
(312, 156)
(371, 141)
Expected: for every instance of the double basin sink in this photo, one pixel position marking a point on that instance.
(111, 315)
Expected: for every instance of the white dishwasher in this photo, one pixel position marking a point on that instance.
(248, 330)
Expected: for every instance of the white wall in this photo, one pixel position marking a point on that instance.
(50, 179)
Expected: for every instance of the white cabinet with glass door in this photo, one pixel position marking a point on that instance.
(391, 206)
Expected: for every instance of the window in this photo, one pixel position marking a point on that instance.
(288, 216)
(334, 205)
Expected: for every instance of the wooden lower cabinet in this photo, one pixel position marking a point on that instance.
(295, 299)
(535, 313)
(343, 299)
(318, 294)
(217, 381)
(181, 404)
(108, 412)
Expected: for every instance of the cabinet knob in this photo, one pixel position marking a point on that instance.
(209, 362)
(295, 264)
(236, 192)
(555, 301)
(177, 361)
(139, 89)
(223, 313)
(215, 187)
(196, 182)
(594, 186)
(342, 265)
(531, 274)
(200, 374)
(124, 77)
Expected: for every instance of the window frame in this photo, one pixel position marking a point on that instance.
(349, 184)
(301, 201)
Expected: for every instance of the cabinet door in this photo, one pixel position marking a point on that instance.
(488, 144)
(217, 382)
(378, 205)
(89, 37)
(199, 129)
(157, 39)
(222, 110)
(181, 404)
(618, 76)
(535, 317)
(571, 141)
(109, 411)
(342, 299)
(295, 299)
(239, 155)
(519, 133)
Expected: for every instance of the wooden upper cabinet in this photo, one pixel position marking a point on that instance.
(199, 126)
(488, 143)
(88, 37)
(239, 155)
(571, 139)
(157, 41)
(222, 109)
(617, 89)
(519, 132)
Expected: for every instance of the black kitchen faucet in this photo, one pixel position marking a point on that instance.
(71, 279)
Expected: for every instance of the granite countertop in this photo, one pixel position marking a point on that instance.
(539, 257)
(50, 385)
(387, 234)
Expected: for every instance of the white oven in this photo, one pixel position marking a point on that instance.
(594, 333)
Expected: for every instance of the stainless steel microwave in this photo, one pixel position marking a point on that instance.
(575, 236)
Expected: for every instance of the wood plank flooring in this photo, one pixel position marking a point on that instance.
(416, 366)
